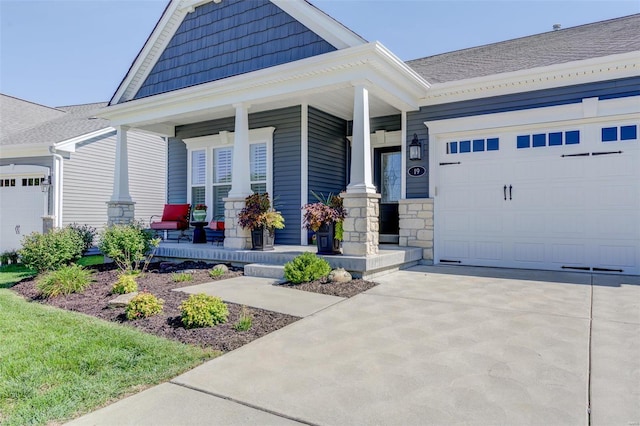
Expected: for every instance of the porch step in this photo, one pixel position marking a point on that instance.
(264, 270)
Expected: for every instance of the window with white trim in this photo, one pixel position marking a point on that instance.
(211, 168)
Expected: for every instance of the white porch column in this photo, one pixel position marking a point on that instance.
(236, 237)
(361, 181)
(241, 185)
(121, 206)
(361, 201)
(121, 176)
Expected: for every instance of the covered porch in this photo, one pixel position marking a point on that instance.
(227, 119)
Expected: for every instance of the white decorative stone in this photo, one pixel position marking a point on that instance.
(339, 275)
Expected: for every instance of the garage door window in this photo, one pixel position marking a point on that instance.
(7, 182)
(571, 137)
(477, 145)
(610, 134)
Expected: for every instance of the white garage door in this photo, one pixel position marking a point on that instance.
(22, 205)
(564, 198)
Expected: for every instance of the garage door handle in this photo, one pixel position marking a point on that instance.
(505, 192)
(510, 188)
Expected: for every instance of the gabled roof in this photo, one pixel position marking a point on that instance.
(17, 115)
(71, 122)
(604, 38)
(167, 63)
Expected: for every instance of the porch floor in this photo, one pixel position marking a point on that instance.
(389, 258)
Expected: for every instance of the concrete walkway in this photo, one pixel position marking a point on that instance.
(262, 293)
(430, 345)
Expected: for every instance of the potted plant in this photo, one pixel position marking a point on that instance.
(200, 212)
(325, 217)
(259, 217)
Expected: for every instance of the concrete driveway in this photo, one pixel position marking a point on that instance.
(430, 345)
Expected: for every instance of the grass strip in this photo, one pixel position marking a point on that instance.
(11, 274)
(57, 364)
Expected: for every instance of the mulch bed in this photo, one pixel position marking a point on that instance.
(158, 281)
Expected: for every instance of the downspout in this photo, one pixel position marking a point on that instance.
(57, 186)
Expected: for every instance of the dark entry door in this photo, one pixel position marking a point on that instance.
(387, 169)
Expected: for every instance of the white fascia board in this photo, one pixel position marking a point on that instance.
(336, 69)
(24, 150)
(320, 23)
(69, 145)
(567, 74)
(151, 51)
(578, 113)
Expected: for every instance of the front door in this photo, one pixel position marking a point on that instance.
(387, 176)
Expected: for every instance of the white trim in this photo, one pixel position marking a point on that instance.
(151, 51)
(403, 150)
(69, 145)
(578, 113)
(392, 80)
(304, 167)
(320, 23)
(559, 75)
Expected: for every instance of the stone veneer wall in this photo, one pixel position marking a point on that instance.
(416, 225)
(235, 237)
(120, 212)
(361, 225)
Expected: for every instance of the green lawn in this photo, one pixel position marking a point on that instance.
(96, 259)
(11, 274)
(57, 364)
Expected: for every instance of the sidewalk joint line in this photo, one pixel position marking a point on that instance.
(589, 342)
(246, 404)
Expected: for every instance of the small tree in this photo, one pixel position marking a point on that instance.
(130, 246)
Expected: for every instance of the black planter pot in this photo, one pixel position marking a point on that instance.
(326, 241)
(262, 239)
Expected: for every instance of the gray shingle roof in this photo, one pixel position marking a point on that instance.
(614, 36)
(17, 115)
(73, 121)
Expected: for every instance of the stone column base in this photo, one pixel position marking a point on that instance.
(416, 224)
(48, 223)
(361, 225)
(235, 237)
(120, 212)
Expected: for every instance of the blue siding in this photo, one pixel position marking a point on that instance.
(176, 175)
(286, 161)
(327, 154)
(230, 38)
(419, 187)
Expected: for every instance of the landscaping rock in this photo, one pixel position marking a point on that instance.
(167, 266)
(221, 267)
(186, 271)
(122, 300)
(340, 276)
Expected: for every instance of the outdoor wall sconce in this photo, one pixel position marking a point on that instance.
(45, 183)
(415, 149)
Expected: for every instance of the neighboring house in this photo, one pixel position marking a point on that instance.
(523, 153)
(73, 151)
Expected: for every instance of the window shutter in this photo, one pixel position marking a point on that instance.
(258, 162)
(222, 165)
(198, 167)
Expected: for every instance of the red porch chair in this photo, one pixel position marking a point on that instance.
(175, 217)
(217, 231)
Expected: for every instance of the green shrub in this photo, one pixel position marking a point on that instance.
(181, 277)
(200, 310)
(87, 234)
(143, 305)
(126, 284)
(306, 267)
(216, 272)
(9, 257)
(66, 280)
(245, 320)
(50, 251)
(130, 246)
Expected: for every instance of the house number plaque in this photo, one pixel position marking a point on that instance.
(416, 171)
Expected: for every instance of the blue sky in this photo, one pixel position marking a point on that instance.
(62, 52)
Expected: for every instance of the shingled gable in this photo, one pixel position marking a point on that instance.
(197, 42)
